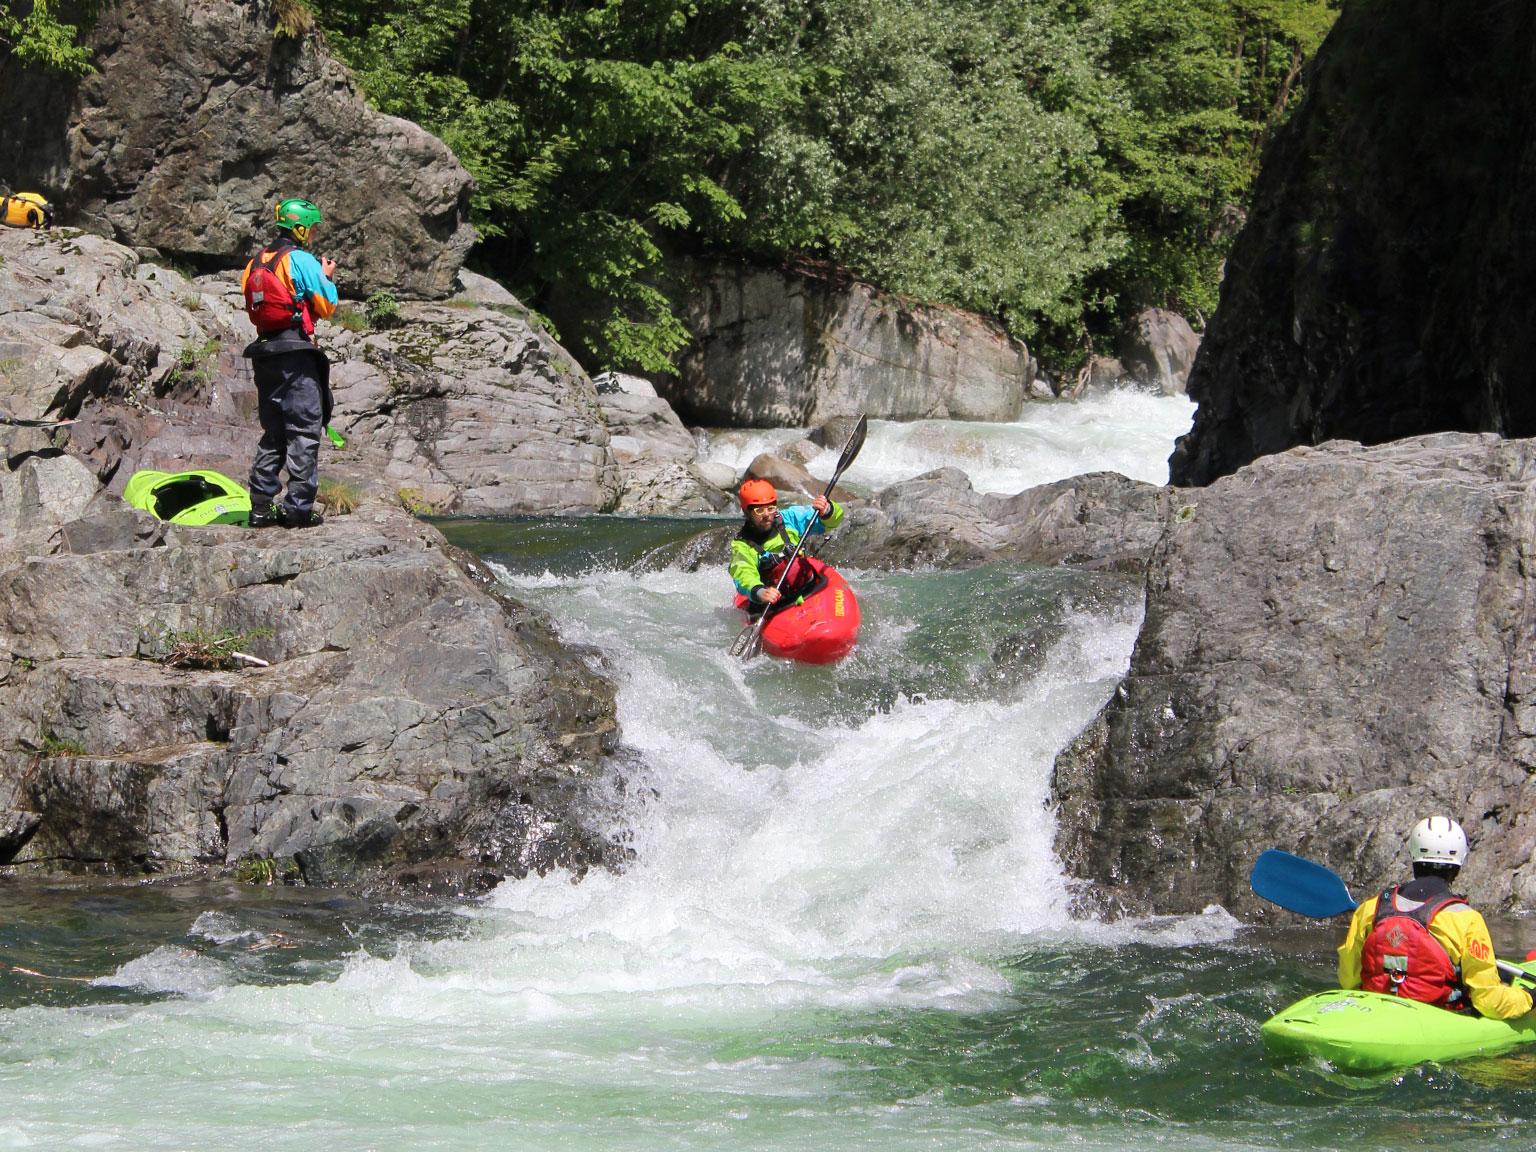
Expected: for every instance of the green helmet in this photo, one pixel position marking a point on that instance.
(298, 217)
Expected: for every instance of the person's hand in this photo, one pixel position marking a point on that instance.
(769, 595)
(822, 505)
(327, 266)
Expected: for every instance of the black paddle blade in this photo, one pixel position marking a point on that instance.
(754, 646)
(851, 449)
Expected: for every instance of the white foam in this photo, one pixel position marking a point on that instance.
(893, 858)
(1125, 430)
(169, 969)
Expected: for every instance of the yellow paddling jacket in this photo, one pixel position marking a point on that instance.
(1463, 933)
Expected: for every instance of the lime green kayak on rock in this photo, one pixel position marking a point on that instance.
(1371, 1032)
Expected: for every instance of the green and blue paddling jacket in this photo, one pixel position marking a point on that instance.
(752, 560)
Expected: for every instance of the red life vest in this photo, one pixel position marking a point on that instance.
(268, 301)
(1402, 958)
(801, 575)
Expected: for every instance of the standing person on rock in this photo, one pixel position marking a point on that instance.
(760, 549)
(286, 289)
(1422, 941)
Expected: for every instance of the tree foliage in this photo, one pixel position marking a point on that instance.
(36, 35)
(1049, 162)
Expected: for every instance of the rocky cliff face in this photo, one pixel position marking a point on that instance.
(782, 349)
(1338, 642)
(1384, 283)
(197, 121)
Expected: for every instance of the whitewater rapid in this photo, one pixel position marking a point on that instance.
(830, 869)
(1125, 430)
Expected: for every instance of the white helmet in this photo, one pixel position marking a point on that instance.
(1438, 840)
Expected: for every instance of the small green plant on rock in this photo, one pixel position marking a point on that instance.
(414, 502)
(293, 20)
(349, 318)
(383, 311)
(207, 650)
(192, 364)
(55, 745)
(266, 870)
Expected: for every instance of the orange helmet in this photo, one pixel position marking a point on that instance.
(757, 492)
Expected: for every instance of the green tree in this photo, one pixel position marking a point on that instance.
(949, 173)
(33, 33)
(594, 131)
(1050, 162)
(1198, 86)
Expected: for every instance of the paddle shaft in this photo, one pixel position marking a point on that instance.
(850, 450)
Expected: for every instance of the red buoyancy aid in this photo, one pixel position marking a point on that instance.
(268, 301)
(1402, 958)
(802, 575)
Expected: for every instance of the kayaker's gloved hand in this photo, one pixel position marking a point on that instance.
(763, 594)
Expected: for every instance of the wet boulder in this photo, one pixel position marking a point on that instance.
(1338, 641)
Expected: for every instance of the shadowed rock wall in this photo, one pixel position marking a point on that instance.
(1384, 284)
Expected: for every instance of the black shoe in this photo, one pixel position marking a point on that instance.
(265, 517)
(291, 519)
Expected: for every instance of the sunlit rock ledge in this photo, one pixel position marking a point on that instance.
(1338, 641)
(465, 406)
(398, 720)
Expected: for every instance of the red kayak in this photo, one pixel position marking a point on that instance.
(821, 627)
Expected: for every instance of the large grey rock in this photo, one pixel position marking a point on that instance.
(1101, 522)
(410, 712)
(1097, 521)
(43, 491)
(775, 348)
(78, 323)
(1159, 348)
(1338, 641)
(476, 412)
(196, 120)
(657, 457)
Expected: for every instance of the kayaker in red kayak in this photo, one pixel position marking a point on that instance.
(766, 539)
(1422, 941)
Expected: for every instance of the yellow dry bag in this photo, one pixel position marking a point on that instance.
(26, 210)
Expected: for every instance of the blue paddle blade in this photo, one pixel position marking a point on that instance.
(1298, 885)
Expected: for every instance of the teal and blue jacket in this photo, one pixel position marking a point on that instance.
(753, 558)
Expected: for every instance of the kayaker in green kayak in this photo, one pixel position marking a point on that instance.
(1422, 941)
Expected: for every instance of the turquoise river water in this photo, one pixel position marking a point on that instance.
(843, 928)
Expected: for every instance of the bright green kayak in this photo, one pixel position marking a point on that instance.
(1371, 1032)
